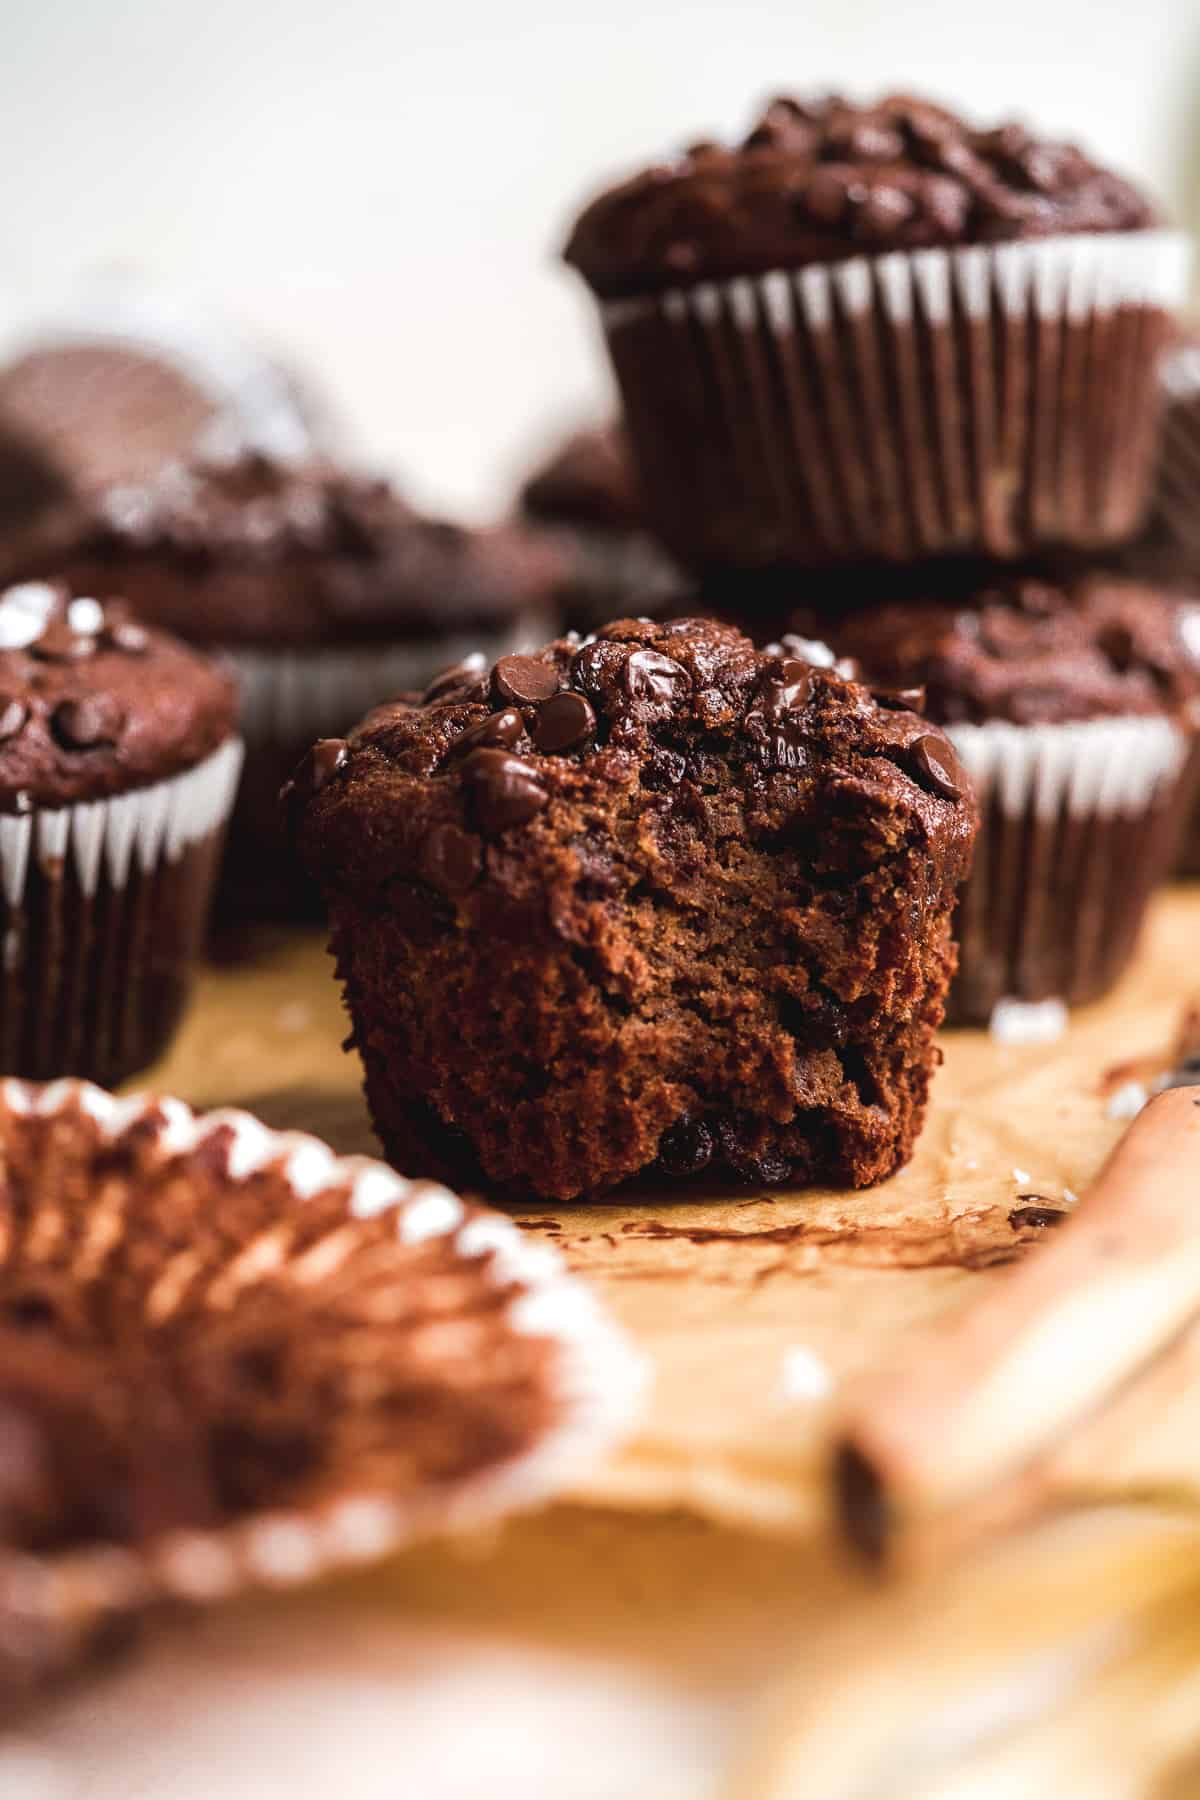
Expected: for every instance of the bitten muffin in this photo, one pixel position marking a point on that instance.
(877, 331)
(325, 590)
(118, 765)
(1074, 703)
(230, 1357)
(586, 493)
(654, 901)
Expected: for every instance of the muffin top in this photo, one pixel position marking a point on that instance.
(588, 481)
(252, 550)
(819, 180)
(1036, 651)
(92, 703)
(454, 789)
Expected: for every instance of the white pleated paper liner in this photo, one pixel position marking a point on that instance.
(988, 399)
(288, 699)
(103, 907)
(1079, 826)
(408, 1290)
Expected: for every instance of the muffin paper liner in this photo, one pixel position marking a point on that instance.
(289, 699)
(1175, 513)
(103, 907)
(413, 1296)
(1079, 825)
(985, 399)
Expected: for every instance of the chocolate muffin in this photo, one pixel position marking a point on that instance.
(1074, 703)
(229, 1357)
(877, 331)
(118, 766)
(649, 902)
(121, 380)
(325, 590)
(586, 494)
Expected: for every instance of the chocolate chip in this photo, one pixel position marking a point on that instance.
(1034, 1213)
(934, 762)
(499, 731)
(467, 675)
(58, 643)
(88, 724)
(13, 714)
(524, 679)
(883, 211)
(564, 721)
(900, 699)
(686, 1148)
(451, 859)
(786, 685)
(654, 679)
(318, 767)
(825, 197)
(503, 790)
(132, 638)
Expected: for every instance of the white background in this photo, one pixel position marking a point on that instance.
(383, 187)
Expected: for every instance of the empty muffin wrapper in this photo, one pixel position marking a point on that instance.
(1079, 826)
(991, 398)
(102, 910)
(451, 1371)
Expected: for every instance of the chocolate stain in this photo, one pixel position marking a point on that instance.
(971, 1240)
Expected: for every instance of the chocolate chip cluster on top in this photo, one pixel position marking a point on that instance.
(92, 703)
(650, 899)
(819, 179)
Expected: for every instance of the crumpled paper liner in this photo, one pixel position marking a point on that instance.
(753, 1307)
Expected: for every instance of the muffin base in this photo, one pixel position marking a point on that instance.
(1079, 827)
(984, 400)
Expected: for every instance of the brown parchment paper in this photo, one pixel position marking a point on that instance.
(752, 1307)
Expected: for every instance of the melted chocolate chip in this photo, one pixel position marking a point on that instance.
(88, 724)
(933, 761)
(686, 1148)
(465, 675)
(499, 731)
(13, 714)
(503, 790)
(649, 678)
(563, 722)
(1035, 1215)
(317, 769)
(524, 679)
(786, 685)
(900, 699)
(451, 859)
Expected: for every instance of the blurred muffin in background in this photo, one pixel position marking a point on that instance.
(1073, 701)
(326, 591)
(119, 762)
(124, 378)
(586, 492)
(1168, 550)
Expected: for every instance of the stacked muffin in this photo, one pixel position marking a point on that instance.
(874, 362)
